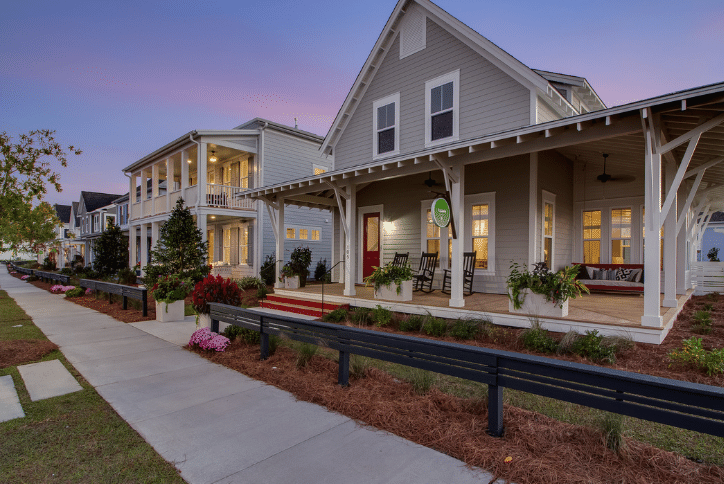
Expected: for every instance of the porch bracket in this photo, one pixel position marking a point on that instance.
(273, 218)
(683, 166)
(698, 131)
(446, 170)
(689, 199)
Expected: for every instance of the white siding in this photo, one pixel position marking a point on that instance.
(490, 100)
(555, 175)
(544, 112)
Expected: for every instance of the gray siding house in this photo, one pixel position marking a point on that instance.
(211, 171)
(438, 109)
(95, 212)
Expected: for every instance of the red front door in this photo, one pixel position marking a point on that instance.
(370, 243)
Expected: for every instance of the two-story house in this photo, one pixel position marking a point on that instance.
(211, 170)
(95, 212)
(534, 166)
(56, 251)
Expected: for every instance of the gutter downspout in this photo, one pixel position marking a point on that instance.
(198, 187)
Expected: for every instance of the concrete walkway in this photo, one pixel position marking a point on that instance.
(215, 424)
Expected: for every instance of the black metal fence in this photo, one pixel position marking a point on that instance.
(140, 293)
(677, 403)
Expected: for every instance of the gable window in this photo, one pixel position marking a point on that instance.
(592, 237)
(442, 109)
(386, 129)
(549, 210)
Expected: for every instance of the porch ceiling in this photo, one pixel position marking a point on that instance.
(616, 131)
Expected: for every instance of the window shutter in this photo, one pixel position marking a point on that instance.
(234, 245)
(250, 258)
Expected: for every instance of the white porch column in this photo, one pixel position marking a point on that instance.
(201, 174)
(155, 226)
(144, 245)
(652, 203)
(533, 235)
(132, 246)
(350, 252)
(670, 238)
(155, 173)
(281, 236)
(143, 193)
(131, 191)
(184, 172)
(457, 197)
(201, 225)
(337, 248)
(169, 182)
(681, 256)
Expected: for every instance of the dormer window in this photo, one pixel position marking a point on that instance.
(442, 107)
(386, 129)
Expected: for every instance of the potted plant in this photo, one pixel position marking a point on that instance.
(542, 292)
(169, 293)
(299, 262)
(392, 283)
(288, 277)
(213, 289)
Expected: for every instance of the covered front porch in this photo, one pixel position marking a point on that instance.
(609, 314)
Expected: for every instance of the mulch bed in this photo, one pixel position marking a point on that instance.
(20, 351)
(543, 450)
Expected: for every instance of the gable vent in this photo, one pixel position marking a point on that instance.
(413, 32)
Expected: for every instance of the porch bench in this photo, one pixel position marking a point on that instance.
(607, 285)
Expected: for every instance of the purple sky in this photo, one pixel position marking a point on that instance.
(120, 81)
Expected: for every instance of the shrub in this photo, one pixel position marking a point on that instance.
(249, 282)
(32, 278)
(171, 289)
(76, 292)
(268, 269)
(708, 307)
(320, 272)
(713, 254)
(702, 322)
(412, 323)
(612, 427)
(299, 262)
(111, 251)
(66, 271)
(692, 352)
(248, 336)
(208, 340)
(127, 276)
(261, 292)
(465, 329)
(389, 276)
(434, 326)
(381, 316)
(360, 316)
(215, 289)
(48, 264)
(591, 346)
(358, 366)
(336, 316)
(305, 353)
(536, 338)
(274, 342)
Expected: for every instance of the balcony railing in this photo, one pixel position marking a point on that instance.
(227, 197)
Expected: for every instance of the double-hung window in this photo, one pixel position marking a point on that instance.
(442, 109)
(592, 237)
(386, 129)
(549, 214)
(621, 236)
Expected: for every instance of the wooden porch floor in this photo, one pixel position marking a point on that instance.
(598, 308)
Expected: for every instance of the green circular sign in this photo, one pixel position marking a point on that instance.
(440, 212)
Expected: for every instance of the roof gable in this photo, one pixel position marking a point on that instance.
(95, 200)
(63, 212)
(497, 56)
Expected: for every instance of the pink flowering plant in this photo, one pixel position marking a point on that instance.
(88, 291)
(24, 277)
(60, 288)
(208, 340)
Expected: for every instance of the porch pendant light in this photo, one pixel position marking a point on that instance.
(213, 158)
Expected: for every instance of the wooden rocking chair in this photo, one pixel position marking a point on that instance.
(426, 272)
(400, 259)
(468, 274)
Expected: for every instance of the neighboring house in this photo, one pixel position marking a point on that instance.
(211, 170)
(95, 211)
(123, 213)
(712, 236)
(438, 108)
(55, 251)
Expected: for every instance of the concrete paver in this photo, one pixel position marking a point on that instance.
(10, 407)
(48, 379)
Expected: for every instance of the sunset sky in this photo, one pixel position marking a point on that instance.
(121, 79)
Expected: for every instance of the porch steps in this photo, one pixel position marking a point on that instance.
(298, 306)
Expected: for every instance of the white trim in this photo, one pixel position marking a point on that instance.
(361, 212)
(453, 77)
(391, 99)
(548, 198)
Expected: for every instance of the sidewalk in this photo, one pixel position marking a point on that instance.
(215, 424)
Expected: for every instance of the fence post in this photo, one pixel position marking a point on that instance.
(263, 340)
(144, 301)
(214, 325)
(343, 378)
(125, 302)
(495, 410)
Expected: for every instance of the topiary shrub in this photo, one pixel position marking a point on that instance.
(320, 272)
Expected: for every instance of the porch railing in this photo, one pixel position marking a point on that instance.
(708, 277)
(225, 196)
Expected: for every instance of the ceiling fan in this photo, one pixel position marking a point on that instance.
(430, 182)
(605, 177)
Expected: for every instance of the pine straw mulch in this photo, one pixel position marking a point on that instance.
(20, 351)
(543, 450)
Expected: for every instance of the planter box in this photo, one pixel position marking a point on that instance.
(291, 282)
(166, 313)
(204, 321)
(389, 293)
(536, 305)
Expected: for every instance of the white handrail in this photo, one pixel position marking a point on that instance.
(227, 197)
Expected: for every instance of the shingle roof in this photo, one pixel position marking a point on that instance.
(63, 212)
(75, 211)
(717, 217)
(94, 200)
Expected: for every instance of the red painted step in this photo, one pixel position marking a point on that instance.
(298, 306)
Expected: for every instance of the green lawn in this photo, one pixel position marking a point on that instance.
(72, 438)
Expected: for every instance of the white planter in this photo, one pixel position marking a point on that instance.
(291, 282)
(389, 293)
(204, 321)
(536, 305)
(170, 312)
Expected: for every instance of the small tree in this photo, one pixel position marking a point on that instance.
(111, 251)
(713, 254)
(180, 249)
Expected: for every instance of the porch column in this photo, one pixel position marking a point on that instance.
(132, 246)
(681, 260)
(155, 226)
(155, 175)
(337, 244)
(144, 245)
(670, 238)
(170, 175)
(184, 172)
(652, 250)
(350, 253)
(143, 193)
(281, 236)
(201, 225)
(201, 175)
(457, 197)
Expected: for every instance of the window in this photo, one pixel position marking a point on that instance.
(432, 236)
(386, 130)
(96, 222)
(244, 245)
(291, 234)
(244, 167)
(110, 221)
(549, 210)
(592, 237)
(227, 245)
(210, 177)
(318, 170)
(621, 236)
(300, 232)
(226, 180)
(442, 104)
(315, 234)
(210, 237)
(479, 217)
(303, 234)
